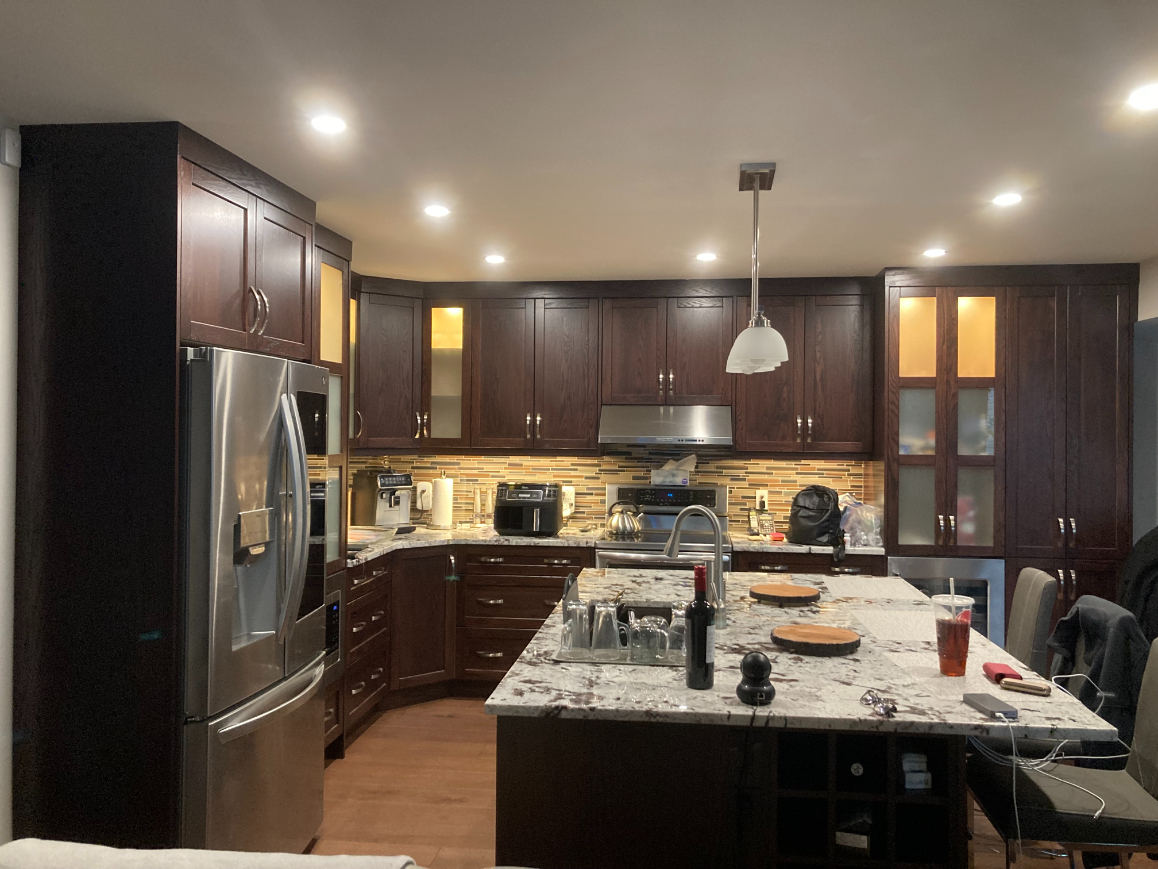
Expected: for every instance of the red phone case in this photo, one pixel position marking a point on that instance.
(997, 672)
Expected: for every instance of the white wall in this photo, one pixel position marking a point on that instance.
(9, 190)
(1148, 289)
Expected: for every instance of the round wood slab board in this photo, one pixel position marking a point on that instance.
(819, 640)
(783, 594)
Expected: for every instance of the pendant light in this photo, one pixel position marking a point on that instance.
(759, 347)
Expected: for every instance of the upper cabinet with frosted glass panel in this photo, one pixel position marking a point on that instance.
(943, 448)
(446, 374)
(331, 351)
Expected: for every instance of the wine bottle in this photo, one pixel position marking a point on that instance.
(700, 636)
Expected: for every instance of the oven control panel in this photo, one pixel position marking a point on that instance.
(655, 499)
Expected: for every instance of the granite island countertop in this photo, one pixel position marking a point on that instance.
(487, 536)
(897, 656)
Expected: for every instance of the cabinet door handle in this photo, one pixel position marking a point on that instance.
(490, 559)
(453, 567)
(357, 689)
(810, 429)
(265, 304)
(1061, 527)
(358, 582)
(953, 529)
(489, 654)
(940, 529)
(1073, 532)
(661, 383)
(848, 570)
(377, 573)
(358, 628)
(538, 426)
(358, 431)
(330, 713)
(670, 379)
(772, 568)
(252, 326)
(1073, 584)
(528, 426)
(491, 601)
(1061, 583)
(799, 428)
(417, 425)
(378, 616)
(377, 674)
(549, 602)
(426, 424)
(558, 561)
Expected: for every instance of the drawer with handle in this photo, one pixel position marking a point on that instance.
(486, 654)
(526, 560)
(774, 564)
(486, 602)
(332, 720)
(366, 618)
(371, 575)
(365, 684)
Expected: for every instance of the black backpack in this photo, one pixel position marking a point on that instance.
(815, 520)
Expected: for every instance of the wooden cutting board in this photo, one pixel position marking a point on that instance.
(820, 640)
(783, 594)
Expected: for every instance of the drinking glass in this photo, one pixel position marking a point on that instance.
(677, 649)
(649, 640)
(954, 615)
(575, 641)
(605, 632)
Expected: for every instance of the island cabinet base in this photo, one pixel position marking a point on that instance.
(573, 794)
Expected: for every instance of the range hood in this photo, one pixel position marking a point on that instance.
(665, 424)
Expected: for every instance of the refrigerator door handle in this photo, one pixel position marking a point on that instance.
(296, 448)
(238, 729)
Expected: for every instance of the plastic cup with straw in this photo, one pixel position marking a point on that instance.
(953, 617)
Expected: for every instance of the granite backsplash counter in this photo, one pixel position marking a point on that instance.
(897, 657)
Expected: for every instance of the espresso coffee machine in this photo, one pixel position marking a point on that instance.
(381, 498)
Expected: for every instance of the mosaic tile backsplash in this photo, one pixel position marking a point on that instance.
(591, 474)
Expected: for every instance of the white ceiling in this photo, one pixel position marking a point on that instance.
(602, 139)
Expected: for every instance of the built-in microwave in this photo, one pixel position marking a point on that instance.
(982, 579)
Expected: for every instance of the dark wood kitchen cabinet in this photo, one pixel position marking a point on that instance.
(446, 374)
(699, 338)
(566, 374)
(284, 280)
(1070, 387)
(218, 231)
(667, 351)
(1075, 577)
(423, 604)
(389, 378)
(821, 399)
(502, 390)
(246, 269)
(634, 351)
(945, 443)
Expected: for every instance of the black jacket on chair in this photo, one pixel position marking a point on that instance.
(1138, 591)
(1115, 657)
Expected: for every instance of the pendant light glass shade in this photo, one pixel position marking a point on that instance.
(758, 348)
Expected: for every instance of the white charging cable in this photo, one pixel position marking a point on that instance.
(1013, 777)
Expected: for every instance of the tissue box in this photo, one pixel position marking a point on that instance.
(669, 477)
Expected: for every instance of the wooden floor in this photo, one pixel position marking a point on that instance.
(421, 781)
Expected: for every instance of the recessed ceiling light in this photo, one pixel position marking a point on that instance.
(1145, 98)
(1007, 199)
(437, 210)
(495, 259)
(935, 252)
(705, 257)
(328, 124)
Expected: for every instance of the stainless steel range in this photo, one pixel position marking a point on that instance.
(659, 506)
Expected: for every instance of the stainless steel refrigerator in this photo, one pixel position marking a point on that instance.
(253, 432)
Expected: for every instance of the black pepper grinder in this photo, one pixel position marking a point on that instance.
(755, 689)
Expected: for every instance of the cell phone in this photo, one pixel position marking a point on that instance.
(990, 705)
(1025, 686)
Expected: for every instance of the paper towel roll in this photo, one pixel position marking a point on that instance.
(442, 516)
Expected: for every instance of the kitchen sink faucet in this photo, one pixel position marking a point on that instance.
(716, 595)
